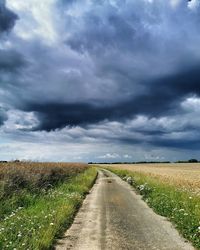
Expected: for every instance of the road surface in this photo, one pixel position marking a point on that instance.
(114, 217)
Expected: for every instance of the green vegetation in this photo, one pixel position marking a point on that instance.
(181, 207)
(33, 215)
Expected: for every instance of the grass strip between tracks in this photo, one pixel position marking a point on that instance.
(36, 226)
(179, 206)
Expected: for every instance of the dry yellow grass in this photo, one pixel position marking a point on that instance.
(182, 175)
(37, 168)
(15, 176)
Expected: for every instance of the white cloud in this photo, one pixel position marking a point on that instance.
(109, 156)
(193, 4)
(126, 156)
(36, 19)
(19, 120)
(191, 104)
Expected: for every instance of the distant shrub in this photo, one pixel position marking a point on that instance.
(193, 161)
(189, 161)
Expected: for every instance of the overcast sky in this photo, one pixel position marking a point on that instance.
(91, 80)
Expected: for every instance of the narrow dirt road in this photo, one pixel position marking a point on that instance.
(114, 217)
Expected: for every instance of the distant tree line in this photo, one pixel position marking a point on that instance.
(189, 161)
(134, 162)
(147, 162)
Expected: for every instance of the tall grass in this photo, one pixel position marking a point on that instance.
(34, 176)
(21, 183)
(34, 212)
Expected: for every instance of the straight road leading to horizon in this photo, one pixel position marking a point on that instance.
(114, 217)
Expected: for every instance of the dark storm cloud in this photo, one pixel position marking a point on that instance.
(95, 62)
(7, 18)
(180, 83)
(162, 97)
(132, 26)
(3, 116)
(185, 143)
(11, 61)
(56, 115)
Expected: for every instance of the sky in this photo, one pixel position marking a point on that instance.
(99, 80)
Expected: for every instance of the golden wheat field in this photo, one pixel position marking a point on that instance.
(184, 175)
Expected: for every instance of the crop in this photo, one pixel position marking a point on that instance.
(182, 176)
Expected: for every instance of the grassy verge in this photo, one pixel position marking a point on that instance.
(45, 215)
(179, 206)
(22, 182)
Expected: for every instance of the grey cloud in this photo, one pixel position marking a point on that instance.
(111, 61)
(3, 116)
(7, 18)
(11, 61)
(163, 97)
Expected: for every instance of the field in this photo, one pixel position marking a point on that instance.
(172, 190)
(39, 200)
(182, 175)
